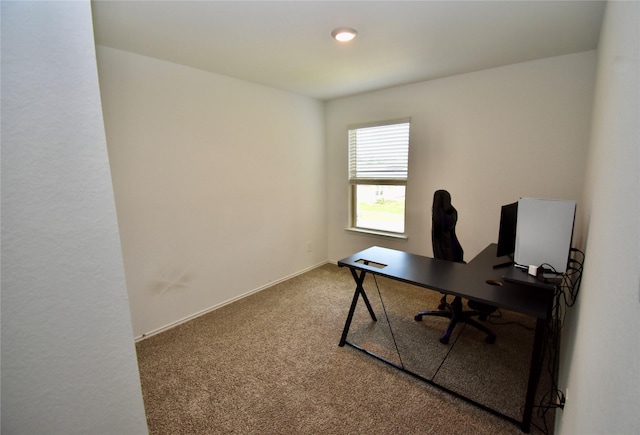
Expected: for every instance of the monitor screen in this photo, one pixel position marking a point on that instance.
(507, 232)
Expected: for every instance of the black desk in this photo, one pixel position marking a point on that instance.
(475, 280)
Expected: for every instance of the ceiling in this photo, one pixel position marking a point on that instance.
(288, 45)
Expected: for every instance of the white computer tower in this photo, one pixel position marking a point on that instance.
(544, 232)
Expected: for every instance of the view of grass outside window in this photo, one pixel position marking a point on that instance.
(378, 172)
(380, 207)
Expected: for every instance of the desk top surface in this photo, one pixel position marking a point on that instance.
(473, 280)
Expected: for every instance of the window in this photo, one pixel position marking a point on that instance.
(378, 170)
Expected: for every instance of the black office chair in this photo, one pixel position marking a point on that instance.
(447, 247)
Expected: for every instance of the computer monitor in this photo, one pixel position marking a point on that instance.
(507, 232)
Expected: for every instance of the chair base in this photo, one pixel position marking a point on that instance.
(457, 315)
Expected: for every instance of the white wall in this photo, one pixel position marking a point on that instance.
(68, 358)
(600, 359)
(488, 137)
(219, 184)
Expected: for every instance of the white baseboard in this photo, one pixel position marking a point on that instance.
(222, 304)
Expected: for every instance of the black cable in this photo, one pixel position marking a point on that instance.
(573, 276)
(491, 317)
(451, 346)
(565, 297)
(393, 337)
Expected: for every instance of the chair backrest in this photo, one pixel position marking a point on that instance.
(443, 228)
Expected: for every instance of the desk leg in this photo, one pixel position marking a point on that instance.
(537, 357)
(359, 279)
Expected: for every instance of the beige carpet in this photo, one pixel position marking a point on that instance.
(270, 364)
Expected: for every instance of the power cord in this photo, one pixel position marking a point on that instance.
(565, 298)
(393, 337)
(498, 315)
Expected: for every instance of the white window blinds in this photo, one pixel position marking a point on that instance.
(379, 154)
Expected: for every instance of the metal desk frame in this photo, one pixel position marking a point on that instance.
(475, 280)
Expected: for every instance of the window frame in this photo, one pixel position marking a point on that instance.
(354, 182)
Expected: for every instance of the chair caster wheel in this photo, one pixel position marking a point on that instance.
(418, 318)
(490, 339)
(442, 307)
(444, 339)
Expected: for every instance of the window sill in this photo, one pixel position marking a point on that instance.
(378, 233)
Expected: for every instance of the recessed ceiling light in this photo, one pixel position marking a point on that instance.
(344, 34)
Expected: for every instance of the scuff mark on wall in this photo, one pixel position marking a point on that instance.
(162, 286)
